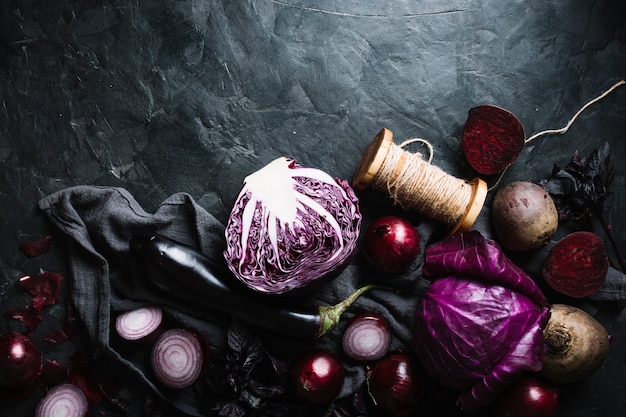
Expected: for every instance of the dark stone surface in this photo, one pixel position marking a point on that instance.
(193, 95)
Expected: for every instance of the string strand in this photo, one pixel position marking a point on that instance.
(564, 128)
(578, 113)
(426, 143)
(413, 183)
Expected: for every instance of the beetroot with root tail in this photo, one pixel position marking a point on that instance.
(493, 138)
(577, 265)
(577, 345)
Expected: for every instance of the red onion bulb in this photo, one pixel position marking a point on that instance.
(391, 244)
(177, 358)
(394, 386)
(65, 400)
(366, 337)
(528, 397)
(139, 323)
(317, 377)
(20, 360)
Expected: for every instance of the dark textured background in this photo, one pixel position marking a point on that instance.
(168, 96)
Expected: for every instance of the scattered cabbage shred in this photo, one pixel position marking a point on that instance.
(291, 226)
(480, 323)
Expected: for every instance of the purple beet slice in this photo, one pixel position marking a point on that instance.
(493, 138)
(577, 265)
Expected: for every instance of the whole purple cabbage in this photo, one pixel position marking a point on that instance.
(291, 227)
(479, 325)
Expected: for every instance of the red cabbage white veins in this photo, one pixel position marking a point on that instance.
(290, 227)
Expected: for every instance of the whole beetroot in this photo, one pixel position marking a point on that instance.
(524, 216)
(577, 345)
(577, 265)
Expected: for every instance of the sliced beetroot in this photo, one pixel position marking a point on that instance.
(577, 265)
(493, 138)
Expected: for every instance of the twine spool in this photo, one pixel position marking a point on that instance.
(413, 183)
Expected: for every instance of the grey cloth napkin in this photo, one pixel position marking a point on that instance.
(99, 222)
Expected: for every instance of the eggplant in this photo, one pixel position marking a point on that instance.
(193, 279)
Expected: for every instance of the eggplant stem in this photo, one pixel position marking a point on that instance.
(331, 315)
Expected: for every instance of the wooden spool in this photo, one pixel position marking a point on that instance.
(373, 160)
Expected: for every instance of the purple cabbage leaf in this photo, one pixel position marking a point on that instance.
(480, 323)
(291, 227)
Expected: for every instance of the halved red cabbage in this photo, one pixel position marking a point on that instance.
(290, 227)
(479, 325)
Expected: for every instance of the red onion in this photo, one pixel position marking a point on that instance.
(529, 397)
(317, 377)
(394, 386)
(65, 400)
(139, 323)
(391, 244)
(20, 360)
(367, 337)
(177, 358)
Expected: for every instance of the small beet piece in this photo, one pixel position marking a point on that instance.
(524, 216)
(577, 265)
(493, 138)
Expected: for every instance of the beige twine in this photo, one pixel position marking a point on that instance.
(413, 183)
(565, 128)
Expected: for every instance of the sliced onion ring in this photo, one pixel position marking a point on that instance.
(65, 400)
(366, 337)
(177, 358)
(139, 323)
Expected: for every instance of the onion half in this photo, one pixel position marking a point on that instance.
(140, 323)
(177, 358)
(65, 400)
(366, 337)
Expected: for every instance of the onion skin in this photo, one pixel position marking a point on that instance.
(317, 377)
(395, 386)
(367, 337)
(20, 360)
(65, 400)
(529, 396)
(577, 345)
(391, 244)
